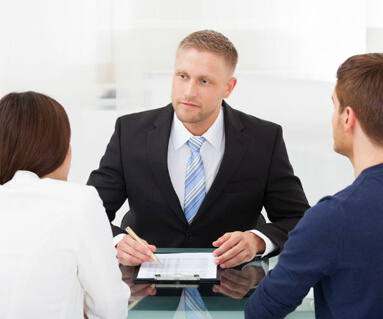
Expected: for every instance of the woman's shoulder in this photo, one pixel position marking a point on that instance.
(75, 188)
(48, 192)
(71, 192)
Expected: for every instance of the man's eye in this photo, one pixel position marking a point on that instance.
(183, 76)
(205, 82)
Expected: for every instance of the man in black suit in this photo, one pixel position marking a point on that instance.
(244, 159)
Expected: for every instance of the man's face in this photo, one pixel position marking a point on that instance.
(337, 128)
(201, 80)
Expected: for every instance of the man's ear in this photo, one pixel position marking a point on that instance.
(230, 87)
(350, 118)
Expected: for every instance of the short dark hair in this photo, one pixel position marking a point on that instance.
(360, 86)
(34, 134)
(214, 42)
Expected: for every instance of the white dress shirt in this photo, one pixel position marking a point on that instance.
(179, 153)
(212, 151)
(56, 251)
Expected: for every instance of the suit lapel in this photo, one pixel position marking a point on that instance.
(157, 150)
(235, 146)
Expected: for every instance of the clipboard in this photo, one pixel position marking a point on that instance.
(177, 280)
(180, 276)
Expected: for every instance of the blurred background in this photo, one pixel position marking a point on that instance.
(104, 58)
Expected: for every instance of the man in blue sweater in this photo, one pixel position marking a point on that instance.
(337, 246)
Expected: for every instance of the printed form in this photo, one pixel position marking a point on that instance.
(180, 265)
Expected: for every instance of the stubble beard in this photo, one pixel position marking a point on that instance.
(188, 116)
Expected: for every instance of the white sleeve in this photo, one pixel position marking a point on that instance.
(105, 294)
(270, 246)
(117, 239)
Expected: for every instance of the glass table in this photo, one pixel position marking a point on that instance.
(226, 300)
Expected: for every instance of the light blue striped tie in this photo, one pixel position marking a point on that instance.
(194, 179)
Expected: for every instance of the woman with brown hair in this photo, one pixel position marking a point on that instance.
(56, 247)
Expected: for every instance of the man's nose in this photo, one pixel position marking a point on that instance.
(191, 89)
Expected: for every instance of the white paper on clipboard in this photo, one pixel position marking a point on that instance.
(180, 265)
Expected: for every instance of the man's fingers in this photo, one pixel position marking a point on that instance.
(221, 239)
(136, 246)
(128, 260)
(239, 248)
(227, 241)
(132, 253)
(234, 259)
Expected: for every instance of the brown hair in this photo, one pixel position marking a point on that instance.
(34, 134)
(214, 42)
(360, 86)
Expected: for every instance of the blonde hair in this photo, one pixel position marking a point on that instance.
(214, 42)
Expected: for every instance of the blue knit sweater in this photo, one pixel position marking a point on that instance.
(337, 248)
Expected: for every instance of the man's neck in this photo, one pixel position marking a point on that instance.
(366, 155)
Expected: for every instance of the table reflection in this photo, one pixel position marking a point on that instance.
(236, 283)
(226, 300)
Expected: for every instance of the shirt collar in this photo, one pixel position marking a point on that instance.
(23, 177)
(213, 135)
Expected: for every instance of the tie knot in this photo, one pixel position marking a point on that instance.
(195, 143)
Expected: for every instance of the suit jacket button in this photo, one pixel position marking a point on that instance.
(189, 235)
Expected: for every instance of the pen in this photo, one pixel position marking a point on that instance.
(134, 235)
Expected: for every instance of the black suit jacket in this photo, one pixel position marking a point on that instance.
(255, 172)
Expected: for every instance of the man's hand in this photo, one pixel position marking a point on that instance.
(236, 248)
(131, 253)
(236, 283)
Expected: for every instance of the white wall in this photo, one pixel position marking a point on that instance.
(79, 51)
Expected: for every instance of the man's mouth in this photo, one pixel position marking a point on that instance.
(188, 104)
